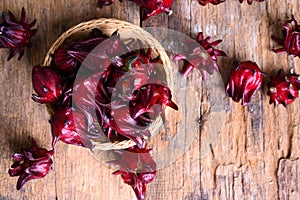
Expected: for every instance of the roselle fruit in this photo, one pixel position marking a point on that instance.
(32, 163)
(154, 7)
(15, 35)
(138, 69)
(245, 79)
(214, 2)
(291, 41)
(111, 51)
(137, 168)
(151, 7)
(69, 57)
(69, 127)
(65, 62)
(137, 59)
(122, 122)
(151, 98)
(112, 75)
(91, 98)
(133, 67)
(198, 59)
(90, 92)
(135, 79)
(47, 83)
(283, 88)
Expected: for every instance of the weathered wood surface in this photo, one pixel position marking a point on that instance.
(256, 155)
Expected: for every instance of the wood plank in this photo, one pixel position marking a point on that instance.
(255, 156)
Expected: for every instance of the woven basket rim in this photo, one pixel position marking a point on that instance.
(120, 25)
(66, 34)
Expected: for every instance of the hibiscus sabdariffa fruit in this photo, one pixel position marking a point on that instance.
(197, 57)
(291, 38)
(137, 168)
(151, 7)
(47, 83)
(15, 35)
(32, 163)
(69, 57)
(154, 7)
(64, 128)
(245, 79)
(284, 88)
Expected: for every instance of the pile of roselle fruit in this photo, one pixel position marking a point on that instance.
(83, 106)
(86, 109)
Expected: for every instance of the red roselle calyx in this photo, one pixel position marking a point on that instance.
(137, 168)
(214, 2)
(69, 127)
(122, 123)
(64, 62)
(15, 34)
(284, 88)
(89, 93)
(87, 53)
(154, 7)
(47, 83)
(151, 7)
(291, 41)
(68, 58)
(197, 59)
(147, 99)
(136, 70)
(245, 79)
(31, 164)
(250, 1)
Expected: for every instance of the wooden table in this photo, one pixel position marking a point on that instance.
(256, 155)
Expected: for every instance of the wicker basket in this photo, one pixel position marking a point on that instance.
(108, 26)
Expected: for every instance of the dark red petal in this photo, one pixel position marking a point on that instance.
(23, 179)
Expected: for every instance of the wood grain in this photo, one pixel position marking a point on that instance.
(256, 155)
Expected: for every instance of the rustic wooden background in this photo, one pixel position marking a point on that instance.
(256, 155)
